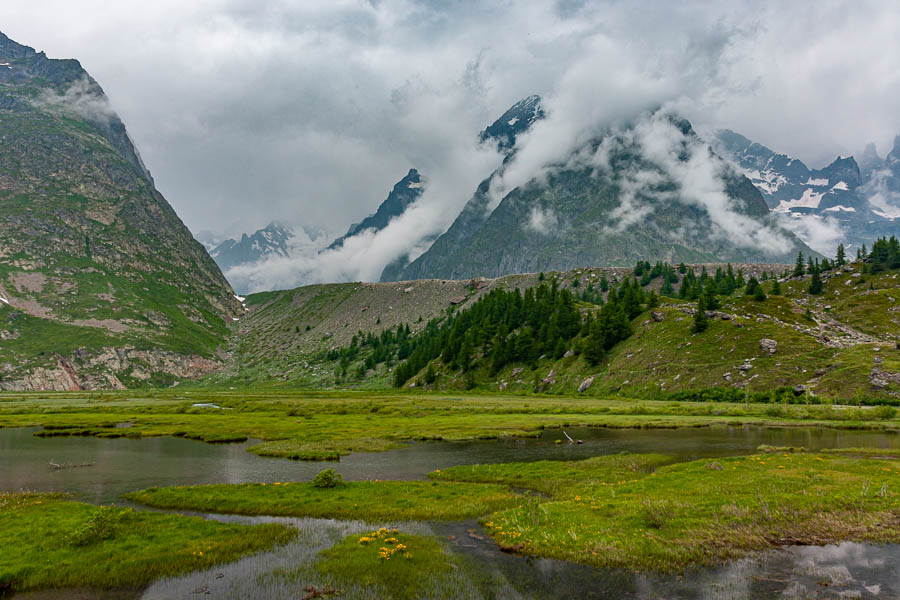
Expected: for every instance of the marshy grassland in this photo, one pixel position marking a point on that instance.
(47, 541)
(324, 426)
(631, 511)
(642, 512)
(400, 564)
(694, 513)
(371, 501)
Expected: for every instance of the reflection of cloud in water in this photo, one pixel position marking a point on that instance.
(847, 570)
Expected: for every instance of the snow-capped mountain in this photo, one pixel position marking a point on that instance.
(834, 203)
(518, 118)
(276, 239)
(612, 202)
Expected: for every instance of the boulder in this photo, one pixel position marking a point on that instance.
(767, 345)
(657, 316)
(550, 378)
(584, 385)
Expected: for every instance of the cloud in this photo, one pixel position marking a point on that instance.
(882, 199)
(82, 98)
(822, 234)
(542, 221)
(309, 112)
(700, 178)
(248, 112)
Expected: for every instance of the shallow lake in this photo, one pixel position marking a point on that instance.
(121, 465)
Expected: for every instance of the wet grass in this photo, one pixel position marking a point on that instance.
(389, 563)
(49, 542)
(325, 426)
(366, 500)
(704, 512)
(556, 478)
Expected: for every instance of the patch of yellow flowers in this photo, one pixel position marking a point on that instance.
(391, 547)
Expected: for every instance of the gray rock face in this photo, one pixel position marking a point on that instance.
(405, 192)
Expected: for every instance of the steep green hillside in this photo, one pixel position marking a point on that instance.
(101, 284)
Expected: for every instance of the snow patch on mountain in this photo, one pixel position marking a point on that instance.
(809, 199)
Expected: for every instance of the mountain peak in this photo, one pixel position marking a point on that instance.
(517, 119)
(405, 192)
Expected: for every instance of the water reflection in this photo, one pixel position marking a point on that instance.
(848, 570)
(121, 465)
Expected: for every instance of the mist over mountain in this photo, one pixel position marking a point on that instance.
(843, 202)
(651, 190)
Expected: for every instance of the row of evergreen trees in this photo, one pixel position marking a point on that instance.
(509, 326)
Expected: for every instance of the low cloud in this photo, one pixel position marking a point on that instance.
(542, 221)
(882, 199)
(249, 112)
(822, 234)
(82, 99)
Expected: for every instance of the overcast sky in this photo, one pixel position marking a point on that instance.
(247, 111)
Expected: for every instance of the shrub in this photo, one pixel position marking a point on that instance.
(884, 412)
(102, 526)
(327, 478)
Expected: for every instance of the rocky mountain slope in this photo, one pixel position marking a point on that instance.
(101, 284)
(841, 344)
(840, 192)
(613, 202)
(503, 133)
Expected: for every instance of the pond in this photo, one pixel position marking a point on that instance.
(116, 466)
(121, 465)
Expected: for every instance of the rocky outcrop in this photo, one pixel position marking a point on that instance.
(110, 368)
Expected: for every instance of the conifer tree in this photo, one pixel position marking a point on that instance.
(700, 320)
(799, 268)
(593, 348)
(776, 287)
(759, 294)
(711, 300)
(666, 289)
(841, 258)
(815, 284)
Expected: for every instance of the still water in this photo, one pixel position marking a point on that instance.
(121, 465)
